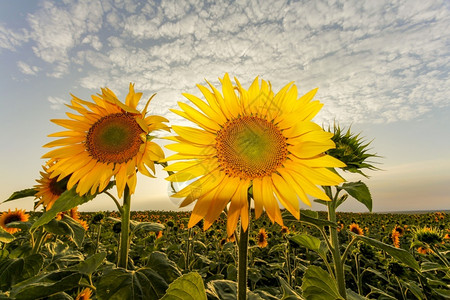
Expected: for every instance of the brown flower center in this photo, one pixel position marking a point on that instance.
(114, 138)
(250, 147)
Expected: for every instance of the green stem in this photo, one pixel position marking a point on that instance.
(99, 230)
(37, 242)
(243, 262)
(358, 274)
(338, 266)
(115, 201)
(344, 256)
(125, 230)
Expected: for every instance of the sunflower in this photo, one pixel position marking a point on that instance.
(13, 216)
(262, 238)
(284, 230)
(74, 214)
(356, 229)
(396, 239)
(107, 138)
(49, 189)
(85, 294)
(250, 141)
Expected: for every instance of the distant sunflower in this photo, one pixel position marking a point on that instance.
(250, 140)
(74, 214)
(107, 139)
(356, 229)
(85, 294)
(284, 230)
(396, 239)
(262, 238)
(13, 216)
(49, 189)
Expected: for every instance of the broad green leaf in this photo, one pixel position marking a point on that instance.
(351, 295)
(19, 224)
(5, 236)
(414, 288)
(288, 292)
(21, 194)
(397, 253)
(187, 287)
(46, 285)
(32, 265)
(308, 241)
(444, 293)
(15, 270)
(360, 192)
(90, 264)
(319, 285)
(432, 266)
(78, 230)
(226, 289)
(146, 226)
(121, 284)
(306, 218)
(3, 254)
(161, 264)
(58, 228)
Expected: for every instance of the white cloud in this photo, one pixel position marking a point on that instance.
(56, 103)
(10, 39)
(27, 69)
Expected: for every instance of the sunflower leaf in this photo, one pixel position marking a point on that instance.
(189, 286)
(68, 200)
(318, 284)
(397, 253)
(21, 194)
(360, 192)
(5, 237)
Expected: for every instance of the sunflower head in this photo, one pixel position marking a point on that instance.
(428, 235)
(85, 294)
(356, 229)
(396, 239)
(250, 144)
(107, 138)
(261, 238)
(18, 215)
(398, 230)
(284, 230)
(49, 189)
(352, 150)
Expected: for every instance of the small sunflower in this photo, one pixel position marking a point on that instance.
(262, 238)
(398, 229)
(107, 139)
(49, 189)
(13, 216)
(428, 235)
(250, 141)
(395, 239)
(284, 230)
(85, 294)
(424, 250)
(356, 229)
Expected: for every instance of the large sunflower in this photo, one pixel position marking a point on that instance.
(19, 215)
(49, 189)
(107, 138)
(252, 138)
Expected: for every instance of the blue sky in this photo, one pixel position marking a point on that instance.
(382, 66)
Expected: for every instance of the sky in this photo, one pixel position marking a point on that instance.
(380, 66)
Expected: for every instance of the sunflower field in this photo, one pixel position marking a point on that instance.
(246, 162)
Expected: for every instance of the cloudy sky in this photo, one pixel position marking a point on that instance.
(381, 66)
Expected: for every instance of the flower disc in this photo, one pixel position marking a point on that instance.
(250, 147)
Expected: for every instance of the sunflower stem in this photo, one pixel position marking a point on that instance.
(243, 262)
(125, 230)
(338, 265)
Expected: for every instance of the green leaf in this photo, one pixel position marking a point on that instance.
(397, 253)
(58, 228)
(308, 241)
(444, 293)
(59, 296)
(69, 199)
(90, 264)
(21, 194)
(46, 285)
(378, 291)
(432, 266)
(351, 295)
(288, 292)
(19, 224)
(77, 229)
(319, 285)
(226, 289)
(5, 236)
(15, 270)
(187, 287)
(162, 265)
(146, 226)
(360, 192)
(3, 254)
(306, 218)
(414, 288)
(121, 284)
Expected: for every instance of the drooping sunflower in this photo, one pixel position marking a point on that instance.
(261, 238)
(355, 229)
(107, 138)
(49, 189)
(250, 141)
(18, 215)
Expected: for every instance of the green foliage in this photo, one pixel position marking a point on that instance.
(21, 194)
(319, 285)
(187, 287)
(359, 191)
